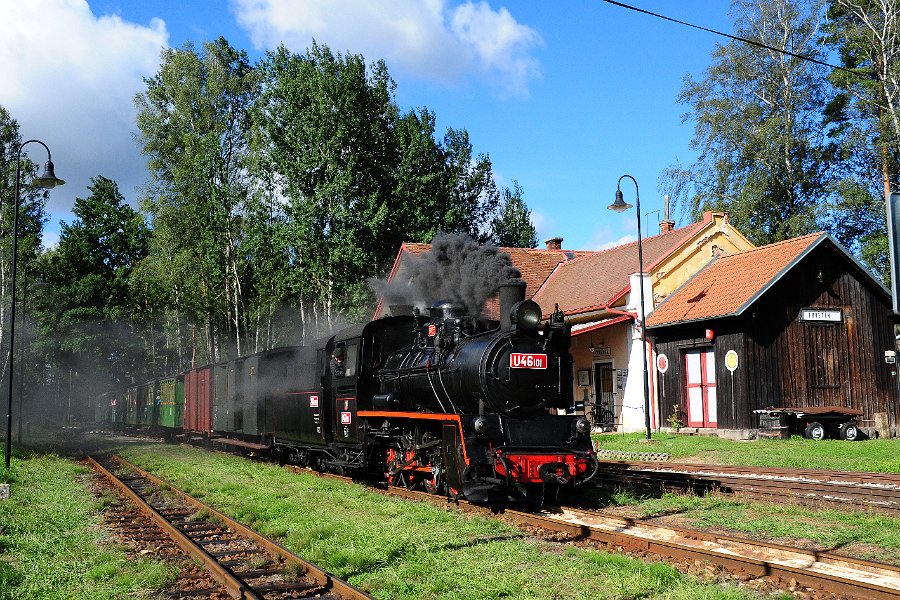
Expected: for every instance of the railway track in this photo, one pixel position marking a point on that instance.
(875, 491)
(829, 573)
(243, 563)
(818, 570)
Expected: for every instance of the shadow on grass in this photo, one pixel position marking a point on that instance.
(399, 553)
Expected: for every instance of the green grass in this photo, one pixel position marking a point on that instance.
(50, 543)
(859, 534)
(399, 549)
(867, 455)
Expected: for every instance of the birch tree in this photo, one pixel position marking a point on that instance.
(193, 120)
(758, 125)
(865, 116)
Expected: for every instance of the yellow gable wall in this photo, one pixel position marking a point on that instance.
(693, 255)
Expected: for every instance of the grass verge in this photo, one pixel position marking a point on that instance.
(50, 545)
(866, 455)
(858, 534)
(400, 549)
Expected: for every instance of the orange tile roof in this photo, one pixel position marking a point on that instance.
(534, 264)
(726, 285)
(597, 280)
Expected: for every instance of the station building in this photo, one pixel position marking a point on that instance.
(798, 323)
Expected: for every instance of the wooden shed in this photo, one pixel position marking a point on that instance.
(795, 323)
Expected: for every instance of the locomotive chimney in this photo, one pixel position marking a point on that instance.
(510, 292)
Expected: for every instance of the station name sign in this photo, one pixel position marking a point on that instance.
(821, 315)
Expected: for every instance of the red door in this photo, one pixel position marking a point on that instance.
(700, 367)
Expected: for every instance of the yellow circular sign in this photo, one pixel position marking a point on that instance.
(731, 360)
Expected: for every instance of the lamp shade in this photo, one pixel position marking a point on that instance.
(48, 179)
(619, 205)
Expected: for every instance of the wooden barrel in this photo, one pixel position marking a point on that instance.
(773, 427)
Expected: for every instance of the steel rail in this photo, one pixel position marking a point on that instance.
(867, 478)
(807, 487)
(852, 577)
(235, 587)
(838, 574)
(334, 585)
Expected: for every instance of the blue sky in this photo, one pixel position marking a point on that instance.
(565, 97)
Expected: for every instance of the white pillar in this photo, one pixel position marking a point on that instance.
(633, 397)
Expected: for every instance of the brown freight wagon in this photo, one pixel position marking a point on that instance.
(198, 400)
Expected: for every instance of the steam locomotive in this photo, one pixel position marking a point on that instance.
(454, 404)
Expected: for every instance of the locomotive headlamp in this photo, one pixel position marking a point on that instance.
(480, 425)
(526, 315)
(582, 425)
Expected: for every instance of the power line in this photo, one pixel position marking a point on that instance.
(736, 38)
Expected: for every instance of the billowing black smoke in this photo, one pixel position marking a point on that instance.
(457, 269)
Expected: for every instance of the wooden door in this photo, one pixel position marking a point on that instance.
(700, 369)
(827, 350)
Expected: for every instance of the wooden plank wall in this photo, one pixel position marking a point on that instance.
(786, 362)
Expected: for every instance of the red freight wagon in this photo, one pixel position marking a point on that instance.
(198, 394)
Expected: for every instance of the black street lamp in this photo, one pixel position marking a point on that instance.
(620, 206)
(47, 180)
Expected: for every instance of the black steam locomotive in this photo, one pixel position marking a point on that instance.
(450, 403)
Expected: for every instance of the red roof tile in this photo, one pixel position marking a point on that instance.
(728, 283)
(598, 279)
(534, 264)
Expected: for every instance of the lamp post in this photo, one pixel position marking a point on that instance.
(620, 206)
(47, 180)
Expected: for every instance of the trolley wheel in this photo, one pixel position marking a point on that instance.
(815, 431)
(848, 431)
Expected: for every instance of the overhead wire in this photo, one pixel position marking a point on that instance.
(736, 38)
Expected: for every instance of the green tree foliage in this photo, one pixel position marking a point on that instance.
(279, 188)
(439, 185)
(31, 217)
(759, 128)
(355, 179)
(425, 185)
(865, 119)
(474, 197)
(194, 119)
(86, 309)
(328, 125)
(512, 226)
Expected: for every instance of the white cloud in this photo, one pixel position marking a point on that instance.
(69, 78)
(500, 44)
(49, 239)
(428, 39)
(604, 239)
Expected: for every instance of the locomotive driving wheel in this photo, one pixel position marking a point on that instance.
(434, 484)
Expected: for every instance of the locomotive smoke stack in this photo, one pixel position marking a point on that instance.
(510, 292)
